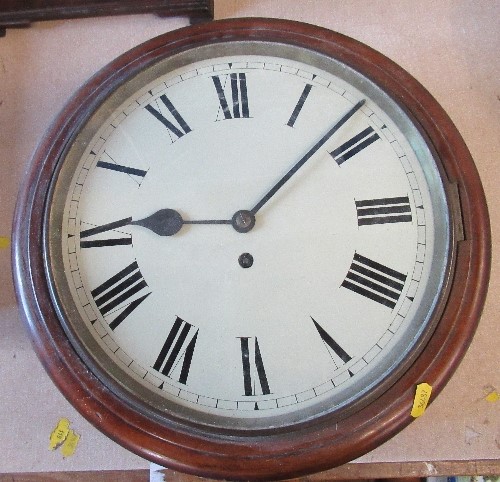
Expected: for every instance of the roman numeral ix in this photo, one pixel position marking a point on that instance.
(374, 281)
(238, 107)
(256, 366)
(354, 145)
(179, 345)
(100, 241)
(383, 211)
(118, 294)
(178, 126)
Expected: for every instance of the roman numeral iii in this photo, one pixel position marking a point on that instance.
(238, 106)
(383, 211)
(118, 294)
(177, 126)
(354, 145)
(253, 367)
(374, 281)
(179, 346)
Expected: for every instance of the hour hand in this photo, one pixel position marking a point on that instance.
(167, 222)
(164, 222)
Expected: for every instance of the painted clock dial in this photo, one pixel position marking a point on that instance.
(248, 238)
(309, 320)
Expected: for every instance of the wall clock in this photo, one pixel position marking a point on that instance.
(243, 244)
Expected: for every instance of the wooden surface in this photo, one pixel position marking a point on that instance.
(450, 47)
(20, 13)
(366, 472)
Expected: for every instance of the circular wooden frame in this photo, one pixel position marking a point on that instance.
(311, 447)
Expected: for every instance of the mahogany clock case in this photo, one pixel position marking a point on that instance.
(332, 439)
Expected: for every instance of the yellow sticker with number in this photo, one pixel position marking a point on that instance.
(4, 242)
(69, 446)
(493, 396)
(422, 397)
(59, 434)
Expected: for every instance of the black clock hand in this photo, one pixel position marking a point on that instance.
(167, 222)
(306, 157)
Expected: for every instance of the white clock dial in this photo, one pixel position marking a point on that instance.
(217, 286)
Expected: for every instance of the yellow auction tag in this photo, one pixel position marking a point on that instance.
(422, 397)
(69, 446)
(59, 434)
(4, 242)
(493, 396)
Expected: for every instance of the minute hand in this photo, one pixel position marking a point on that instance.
(307, 156)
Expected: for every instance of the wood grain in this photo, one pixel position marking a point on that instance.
(21, 13)
(395, 472)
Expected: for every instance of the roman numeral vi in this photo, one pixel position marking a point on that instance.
(256, 366)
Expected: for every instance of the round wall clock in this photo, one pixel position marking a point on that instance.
(243, 244)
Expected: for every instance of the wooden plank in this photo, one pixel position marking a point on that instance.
(87, 476)
(352, 471)
(20, 13)
(393, 470)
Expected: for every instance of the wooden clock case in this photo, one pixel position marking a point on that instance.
(313, 446)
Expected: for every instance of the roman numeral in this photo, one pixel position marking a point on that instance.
(374, 281)
(101, 242)
(180, 345)
(300, 104)
(331, 344)
(119, 168)
(257, 368)
(137, 175)
(383, 211)
(238, 107)
(354, 145)
(158, 113)
(119, 292)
